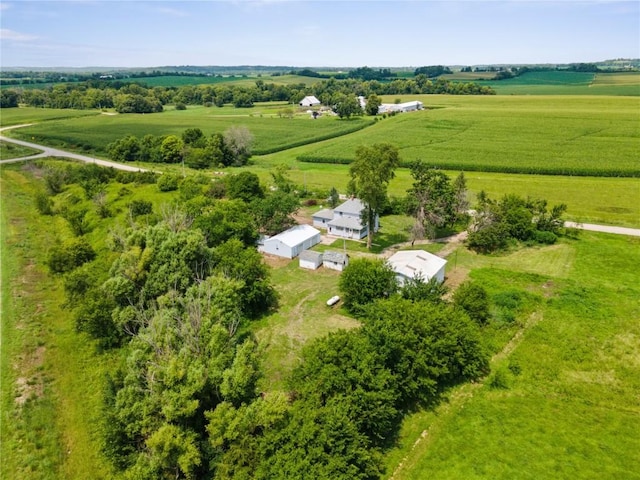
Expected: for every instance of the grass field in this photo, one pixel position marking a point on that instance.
(570, 410)
(51, 375)
(11, 150)
(270, 131)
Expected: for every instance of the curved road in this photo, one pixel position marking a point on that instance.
(54, 152)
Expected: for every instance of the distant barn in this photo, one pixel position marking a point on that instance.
(309, 101)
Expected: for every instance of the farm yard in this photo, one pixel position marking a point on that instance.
(560, 400)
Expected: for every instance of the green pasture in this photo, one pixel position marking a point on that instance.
(51, 376)
(562, 399)
(11, 150)
(19, 116)
(271, 132)
(585, 135)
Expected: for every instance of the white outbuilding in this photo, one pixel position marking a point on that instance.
(409, 264)
(335, 260)
(310, 260)
(291, 242)
(309, 101)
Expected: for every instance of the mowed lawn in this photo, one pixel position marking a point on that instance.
(518, 134)
(564, 401)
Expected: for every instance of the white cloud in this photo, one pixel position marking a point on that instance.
(10, 35)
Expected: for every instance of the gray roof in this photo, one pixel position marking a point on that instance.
(353, 206)
(347, 222)
(326, 213)
(310, 255)
(335, 257)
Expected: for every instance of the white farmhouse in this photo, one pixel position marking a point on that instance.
(345, 221)
(309, 101)
(410, 264)
(292, 242)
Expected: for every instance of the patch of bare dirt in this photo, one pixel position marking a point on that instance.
(31, 384)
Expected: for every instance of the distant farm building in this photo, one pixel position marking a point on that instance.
(335, 260)
(309, 101)
(291, 242)
(400, 107)
(412, 264)
(345, 220)
(310, 259)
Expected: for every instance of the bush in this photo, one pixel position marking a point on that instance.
(473, 299)
(181, 106)
(546, 238)
(167, 182)
(44, 204)
(140, 207)
(69, 255)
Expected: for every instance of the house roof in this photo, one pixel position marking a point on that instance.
(347, 222)
(296, 235)
(416, 263)
(352, 206)
(325, 213)
(335, 257)
(311, 256)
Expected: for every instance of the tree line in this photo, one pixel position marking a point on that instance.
(134, 97)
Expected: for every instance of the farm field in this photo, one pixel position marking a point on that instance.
(536, 134)
(562, 399)
(568, 83)
(270, 131)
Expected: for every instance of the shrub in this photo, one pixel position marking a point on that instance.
(43, 203)
(181, 106)
(69, 255)
(473, 299)
(140, 207)
(546, 238)
(167, 182)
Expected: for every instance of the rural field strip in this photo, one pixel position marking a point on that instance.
(54, 152)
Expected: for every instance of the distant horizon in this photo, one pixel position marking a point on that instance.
(311, 67)
(348, 34)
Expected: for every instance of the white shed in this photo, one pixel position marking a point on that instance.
(292, 242)
(309, 101)
(417, 264)
(310, 259)
(335, 260)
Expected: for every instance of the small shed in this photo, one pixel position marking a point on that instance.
(291, 242)
(335, 260)
(310, 259)
(309, 101)
(409, 264)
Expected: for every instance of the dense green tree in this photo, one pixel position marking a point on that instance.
(373, 103)
(473, 299)
(365, 280)
(347, 106)
(431, 199)
(172, 149)
(244, 186)
(237, 142)
(274, 213)
(370, 174)
(126, 149)
(427, 346)
(227, 219)
(8, 98)
(418, 289)
(70, 254)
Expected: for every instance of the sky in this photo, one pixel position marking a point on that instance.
(306, 33)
